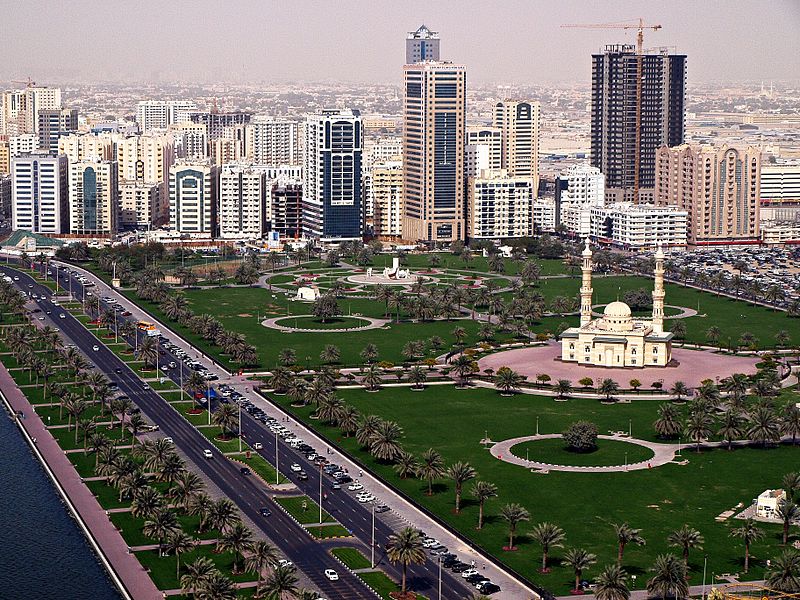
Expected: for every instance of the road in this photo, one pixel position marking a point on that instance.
(355, 516)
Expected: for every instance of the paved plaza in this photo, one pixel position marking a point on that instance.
(693, 366)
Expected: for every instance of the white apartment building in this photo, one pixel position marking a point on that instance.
(544, 215)
(160, 114)
(24, 143)
(93, 197)
(577, 190)
(78, 147)
(476, 159)
(780, 192)
(274, 141)
(140, 204)
(491, 138)
(191, 141)
(39, 194)
(36, 99)
(242, 202)
(519, 123)
(499, 205)
(192, 198)
(577, 218)
(387, 196)
(639, 225)
(145, 157)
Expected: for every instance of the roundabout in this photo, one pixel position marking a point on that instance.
(310, 324)
(643, 454)
(670, 311)
(607, 453)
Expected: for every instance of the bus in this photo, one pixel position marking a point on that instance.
(149, 328)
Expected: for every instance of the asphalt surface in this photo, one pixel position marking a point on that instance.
(308, 556)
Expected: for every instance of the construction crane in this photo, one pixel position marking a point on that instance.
(639, 25)
(28, 83)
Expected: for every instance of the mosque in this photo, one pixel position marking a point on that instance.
(617, 339)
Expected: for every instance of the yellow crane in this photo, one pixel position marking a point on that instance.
(639, 25)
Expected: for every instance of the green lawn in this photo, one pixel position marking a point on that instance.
(66, 438)
(231, 445)
(328, 531)
(608, 452)
(310, 322)
(585, 505)
(163, 569)
(351, 557)
(309, 514)
(260, 466)
(380, 582)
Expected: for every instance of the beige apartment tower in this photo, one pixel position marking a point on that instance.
(718, 187)
(387, 196)
(433, 151)
(518, 122)
(93, 197)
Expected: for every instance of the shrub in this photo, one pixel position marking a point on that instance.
(581, 436)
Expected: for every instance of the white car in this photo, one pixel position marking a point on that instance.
(331, 575)
(258, 446)
(366, 498)
(95, 347)
(469, 573)
(355, 486)
(296, 468)
(285, 563)
(62, 316)
(207, 453)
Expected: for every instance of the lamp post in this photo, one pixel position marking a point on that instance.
(320, 494)
(372, 540)
(626, 461)
(630, 427)
(705, 564)
(240, 428)
(679, 446)
(277, 475)
(537, 425)
(439, 560)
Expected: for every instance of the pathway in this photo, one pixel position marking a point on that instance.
(274, 324)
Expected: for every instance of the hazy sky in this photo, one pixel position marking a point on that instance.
(267, 40)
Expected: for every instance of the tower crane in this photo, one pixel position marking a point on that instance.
(639, 25)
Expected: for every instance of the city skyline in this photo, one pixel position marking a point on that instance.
(283, 42)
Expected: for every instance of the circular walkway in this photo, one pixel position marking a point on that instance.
(377, 278)
(662, 454)
(684, 313)
(372, 324)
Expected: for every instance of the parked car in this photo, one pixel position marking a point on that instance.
(331, 575)
(207, 453)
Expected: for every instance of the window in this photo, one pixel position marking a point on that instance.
(655, 349)
(571, 346)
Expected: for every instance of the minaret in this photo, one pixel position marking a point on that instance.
(586, 285)
(658, 292)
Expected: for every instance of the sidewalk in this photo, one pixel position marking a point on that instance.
(123, 566)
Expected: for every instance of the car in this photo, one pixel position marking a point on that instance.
(258, 446)
(381, 508)
(488, 588)
(30, 285)
(430, 542)
(331, 575)
(95, 347)
(244, 471)
(459, 567)
(469, 572)
(302, 476)
(296, 468)
(207, 453)
(118, 370)
(41, 318)
(476, 579)
(265, 512)
(285, 563)
(145, 387)
(355, 486)
(62, 316)
(169, 439)
(366, 498)
(336, 486)
(165, 368)
(16, 277)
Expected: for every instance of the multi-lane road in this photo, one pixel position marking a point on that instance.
(309, 556)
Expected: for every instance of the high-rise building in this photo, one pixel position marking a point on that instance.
(145, 157)
(54, 123)
(433, 151)
(578, 188)
(24, 143)
(140, 204)
(780, 192)
(160, 114)
(619, 143)
(5, 155)
(499, 206)
(387, 197)
(12, 112)
(491, 141)
(39, 194)
(36, 99)
(191, 141)
(93, 197)
(193, 197)
(518, 122)
(78, 147)
(5, 196)
(422, 45)
(274, 141)
(242, 202)
(217, 122)
(719, 188)
(286, 207)
(332, 184)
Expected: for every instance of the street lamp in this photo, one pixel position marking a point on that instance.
(372, 541)
(705, 564)
(277, 475)
(626, 461)
(439, 560)
(240, 428)
(630, 427)
(320, 493)
(537, 424)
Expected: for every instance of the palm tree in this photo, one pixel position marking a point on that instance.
(626, 535)
(186, 487)
(431, 467)
(372, 378)
(217, 587)
(347, 419)
(668, 424)
(713, 334)
(483, 490)
(788, 512)
(384, 444)
(460, 473)
(136, 424)
(513, 514)
(172, 468)
(405, 548)
(196, 575)
(679, 390)
(179, 542)
(280, 380)
(579, 560)
(698, 428)
(367, 428)
(765, 426)
(669, 577)
(406, 465)
(731, 427)
(237, 539)
(227, 418)
(282, 583)
(162, 524)
(612, 584)
(784, 572)
(791, 485)
(507, 381)
(147, 502)
(749, 532)
(790, 424)
(202, 505)
(547, 535)
(263, 555)
(417, 377)
(563, 388)
(148, 352)
(463, 366)
(224, 515)
(685, 538)
(608, 387)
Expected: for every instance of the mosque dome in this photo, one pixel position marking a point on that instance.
(617, 310)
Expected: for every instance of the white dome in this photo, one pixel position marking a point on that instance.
(617, 310)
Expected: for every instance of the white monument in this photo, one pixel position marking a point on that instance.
(307, 293)
(617, 339)
(393, 272)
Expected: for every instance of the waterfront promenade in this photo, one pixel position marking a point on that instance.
(125, 569)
